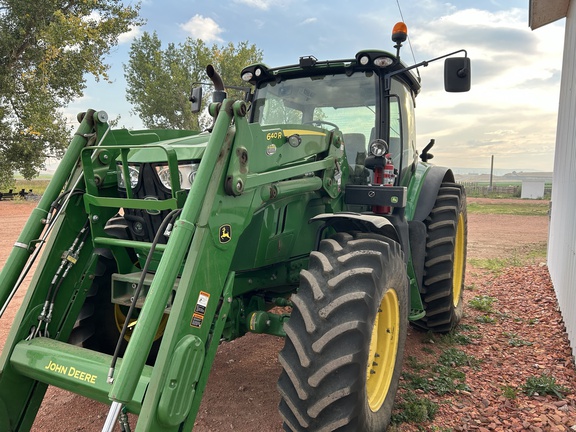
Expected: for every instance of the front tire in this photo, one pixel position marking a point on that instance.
(100, 321)
(345, 339)
(445, 265)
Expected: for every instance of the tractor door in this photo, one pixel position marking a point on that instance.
(398, 128)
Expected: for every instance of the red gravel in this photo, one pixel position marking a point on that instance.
(526, 339)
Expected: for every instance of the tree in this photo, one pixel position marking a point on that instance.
(46, 48)
(159, 80)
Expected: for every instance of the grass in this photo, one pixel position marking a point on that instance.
(443, 376)
(527, 255)
(38, 185)
(455, 357)
(509, 392)
(482, 303)
(524, 208)
(486, 319)
(414, 409)
(517, 258)
(515, 341)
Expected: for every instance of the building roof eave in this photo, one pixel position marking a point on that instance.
(544, 12)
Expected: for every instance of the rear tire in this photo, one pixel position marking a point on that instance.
(445, 264)
(345, 339)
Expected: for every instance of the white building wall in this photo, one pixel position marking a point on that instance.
(562, 241)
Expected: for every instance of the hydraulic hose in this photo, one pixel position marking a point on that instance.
(168, 220)
(68, 260)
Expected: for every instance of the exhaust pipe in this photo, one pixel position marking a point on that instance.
(219, 94)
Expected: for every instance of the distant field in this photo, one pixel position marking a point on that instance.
(38, 185)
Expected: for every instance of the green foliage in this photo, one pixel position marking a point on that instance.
(456, 338)
(47, 47)
(544, 384)
(448, 380)
(482, 303)
(509, 392)
(159, 79)
(414, 409)
(444, 376)
(455, 357)
(415, 364)
(486, 319)
(467, 327)
(515, 341)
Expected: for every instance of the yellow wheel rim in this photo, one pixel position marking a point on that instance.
(120, 319)
(459, 253)
(383, 350)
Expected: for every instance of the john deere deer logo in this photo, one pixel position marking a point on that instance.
(225, 233)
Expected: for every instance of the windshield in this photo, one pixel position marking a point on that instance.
(347, 102)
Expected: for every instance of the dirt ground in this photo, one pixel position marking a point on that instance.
(241, 393)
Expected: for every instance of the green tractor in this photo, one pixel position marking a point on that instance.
(304, 211)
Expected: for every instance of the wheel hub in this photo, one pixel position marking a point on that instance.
(383, 350)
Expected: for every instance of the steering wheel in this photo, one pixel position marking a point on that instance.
(321, 122)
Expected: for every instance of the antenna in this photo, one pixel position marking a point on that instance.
(409, 41)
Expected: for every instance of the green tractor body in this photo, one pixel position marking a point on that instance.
(304, 212)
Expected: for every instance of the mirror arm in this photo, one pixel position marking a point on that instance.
(388, 76)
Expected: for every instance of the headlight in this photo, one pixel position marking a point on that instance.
(364, 60)
(186, 174)
(133, 172)
(383, 61)
(378, 148)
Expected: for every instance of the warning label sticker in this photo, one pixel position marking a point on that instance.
(197, 320)
(200, 309)
(202, 303)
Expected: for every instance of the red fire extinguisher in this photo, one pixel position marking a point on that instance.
(384, 176)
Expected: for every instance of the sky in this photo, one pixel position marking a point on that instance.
(510, 112)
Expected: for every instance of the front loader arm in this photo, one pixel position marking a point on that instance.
(237, 178)
(182, 353)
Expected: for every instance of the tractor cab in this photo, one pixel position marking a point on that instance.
(370, 99)
(349, 96)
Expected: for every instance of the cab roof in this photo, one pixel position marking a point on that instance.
(380, 62)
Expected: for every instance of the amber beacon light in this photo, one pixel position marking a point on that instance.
(399, 32)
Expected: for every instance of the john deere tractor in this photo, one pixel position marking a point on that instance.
(303, 211)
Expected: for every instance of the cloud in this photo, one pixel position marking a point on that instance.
(205, 28)
(308, 21)
(263, 4)
(511, 110)
(95, 18)
(130, 35)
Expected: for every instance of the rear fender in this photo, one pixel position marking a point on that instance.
(357, 222)
(425, 187)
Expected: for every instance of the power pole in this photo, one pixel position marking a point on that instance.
(491, 173)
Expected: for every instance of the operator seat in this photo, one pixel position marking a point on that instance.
(355, 148)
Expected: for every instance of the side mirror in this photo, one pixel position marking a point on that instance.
(196, 99)
(457, 74)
